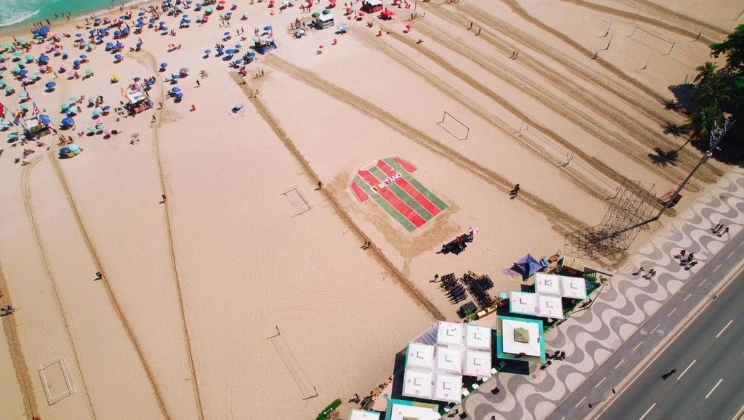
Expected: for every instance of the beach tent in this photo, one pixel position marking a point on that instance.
(528, 266)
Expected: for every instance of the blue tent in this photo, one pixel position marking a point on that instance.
(528, 266)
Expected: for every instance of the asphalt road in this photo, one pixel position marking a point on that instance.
(709, 381)
(596, 389)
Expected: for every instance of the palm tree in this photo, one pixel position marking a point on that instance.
(705, 72)
(702, 123)
(714, 92)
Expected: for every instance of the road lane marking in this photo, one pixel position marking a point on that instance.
(637, 345)
(714, 388)
(686, 297)
(652, 331)
(670, 313)
(717, 267)
(702, 282)
(685, 371)
(646, 413)
(600, 382)
(731, 253)
(582, 400)
(724, 328)
(621, 362)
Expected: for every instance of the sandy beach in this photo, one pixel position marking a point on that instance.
(245, 294)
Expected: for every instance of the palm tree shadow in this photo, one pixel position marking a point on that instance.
(676, 129)
(663, 158)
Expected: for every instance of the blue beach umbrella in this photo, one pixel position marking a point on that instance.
(163, 65)
(227, 33)
(78, 35)
(238, 46)
(118, 57)
(267, 28)
(67, 121)
(50, 85)
(175, 89)
(76, 63)
(23, 72)
(83, 56)
(207, 51)
(164, 29)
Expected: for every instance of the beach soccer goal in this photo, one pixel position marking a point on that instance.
(56, 380)
(298, 198)
(454, 126)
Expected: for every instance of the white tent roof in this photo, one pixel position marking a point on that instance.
(448, 388)
(403, 412)
(449, 359)
(547, 284)
(550, 306)
(523, 303)
(449, 333)
(573, 287)
(420, 355)
(325, 18)
(417, 383)
(477, 337)
(364, 415)
(477, 363)
(374, 2)
(514, 347)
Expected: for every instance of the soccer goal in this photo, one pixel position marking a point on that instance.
(298, 198)
(55, 379)
(454, 126)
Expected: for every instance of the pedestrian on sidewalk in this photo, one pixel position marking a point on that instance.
(717, 227)
(722, 232)
(681, 254)
(640, 270)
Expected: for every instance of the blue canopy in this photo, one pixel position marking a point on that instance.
(68, 121)
(44, 119)
(41, 32)
(528, 266)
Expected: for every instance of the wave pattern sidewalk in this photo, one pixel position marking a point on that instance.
(590, 337)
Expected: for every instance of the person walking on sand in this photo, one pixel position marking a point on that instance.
(165, 199)
(320, 186)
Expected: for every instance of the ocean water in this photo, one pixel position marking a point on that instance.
(21, 12)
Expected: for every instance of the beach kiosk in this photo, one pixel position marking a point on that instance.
(371, 6)
(36, 126)
(264, 43)
(324, 20)
(137, 102)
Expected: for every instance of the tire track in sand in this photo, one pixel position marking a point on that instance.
(687, 158)
(546, 98)
(266, 114)
(571, 173)
(16, 355)
(683, 20)
(149, 60)
(562, 222)
(516, 8)
(109, 290)
(28, 387)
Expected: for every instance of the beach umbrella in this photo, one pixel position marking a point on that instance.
(73, 98)
(238, 61)
(100, 127)
(139, 25)
(184, 70)
(50, 85)
(21, 40)
(164, 29)
(76, 63)
(106, 108)
(237, 107)
(163, 65)
(29, 58)
(175, 89)
(360, 14)
(83, 56)
(118, 57)
(238, 46)
(152, 21)
(245, 15)
(142, 13)
(22, 72)
(207, 51)
(315, 15)
(64, 106)
(226, 33)
(107, 131)
(473, 230)
(67, 121)
(99, 121)
(326, 12)
(349, 10)
(5, 123)
(409, 26)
